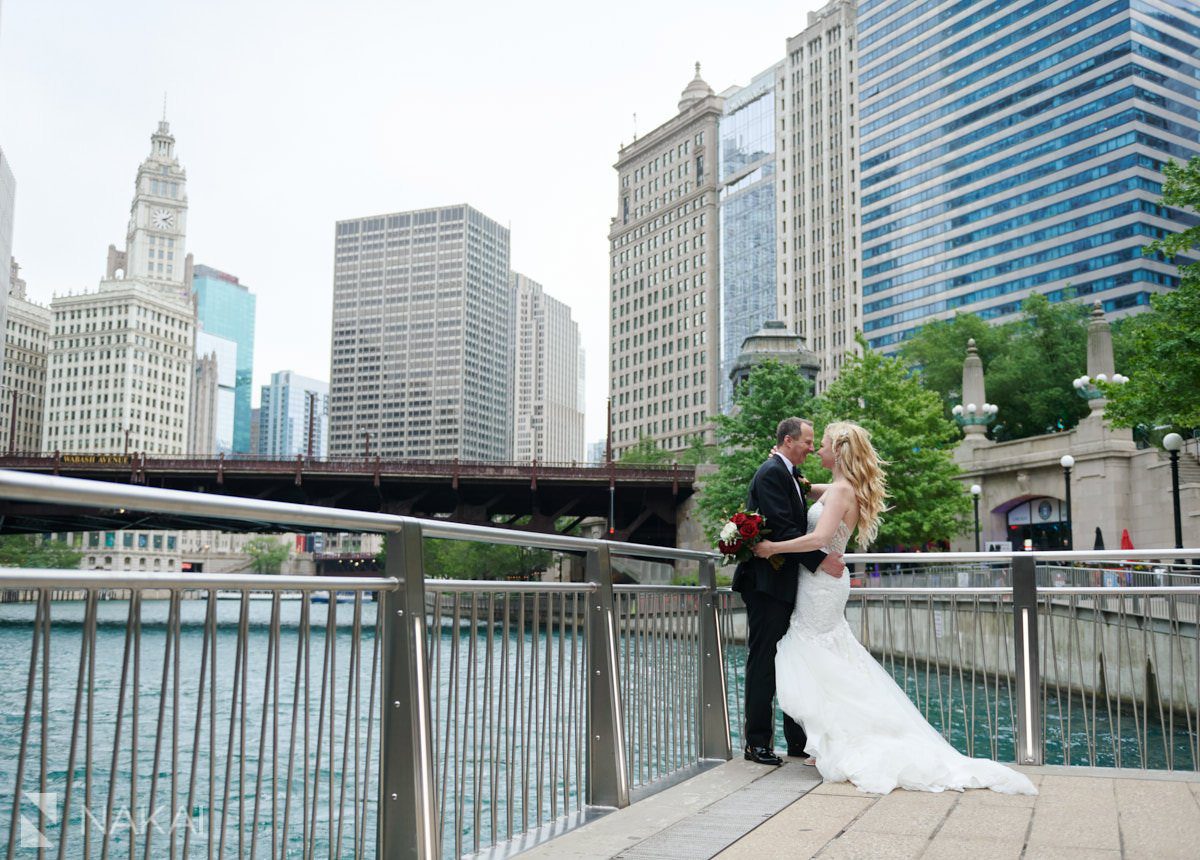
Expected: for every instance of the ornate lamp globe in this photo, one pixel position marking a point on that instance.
(975, 413)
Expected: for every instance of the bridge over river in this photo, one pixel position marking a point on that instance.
(640, 502)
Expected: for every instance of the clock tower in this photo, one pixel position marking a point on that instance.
(155, 240)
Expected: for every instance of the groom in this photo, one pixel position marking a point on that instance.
(769, 594)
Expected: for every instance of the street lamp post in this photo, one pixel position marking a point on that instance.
(976, 490)
(1067, 461)
(1173, 442)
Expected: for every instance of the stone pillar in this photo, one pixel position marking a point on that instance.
(974, 413)
(1100, 363)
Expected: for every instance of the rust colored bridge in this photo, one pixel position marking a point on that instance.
(639, 502)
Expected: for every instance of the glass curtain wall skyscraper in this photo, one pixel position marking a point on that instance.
(1016, 148)
(292, 405)
(225, 308)
(214, 396)
(746, 156)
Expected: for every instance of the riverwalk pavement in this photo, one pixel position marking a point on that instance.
(743, 811)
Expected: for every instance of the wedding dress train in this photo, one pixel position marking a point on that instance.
(861, 726)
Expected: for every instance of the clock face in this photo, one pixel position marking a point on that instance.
(162, 219)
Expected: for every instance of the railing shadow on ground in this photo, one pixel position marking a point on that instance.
(448, 718)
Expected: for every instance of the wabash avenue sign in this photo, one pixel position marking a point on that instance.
(95, 459)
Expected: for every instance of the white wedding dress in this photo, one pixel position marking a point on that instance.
(861, 726)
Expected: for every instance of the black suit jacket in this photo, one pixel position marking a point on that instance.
(773, 494)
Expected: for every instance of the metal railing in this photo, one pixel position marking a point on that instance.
(443, 718)
(452, 717)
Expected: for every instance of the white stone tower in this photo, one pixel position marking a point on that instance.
(120, 362)
(155, 240)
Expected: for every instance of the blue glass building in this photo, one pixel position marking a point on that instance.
(225, 308)
(292, 405)
(747, 199)
(1016, 148)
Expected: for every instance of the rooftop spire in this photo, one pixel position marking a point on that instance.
(695, 91)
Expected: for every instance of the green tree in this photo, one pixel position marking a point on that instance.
(772, 392)
(267, 555)
(937, 351)
(452, 559)
(1160, 350)
(33, 551)
(1031, 380)
(1029, 365)
(910, 431)
(697, 452)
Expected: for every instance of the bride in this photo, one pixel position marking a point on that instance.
(860, 725)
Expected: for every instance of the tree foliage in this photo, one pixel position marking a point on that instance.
(33, 551)
(910, 430)
(452, 559)
(1031, 379)
(267, 554)
(1160, 350)
(1029, 365)
(772, 392)
(937, 351)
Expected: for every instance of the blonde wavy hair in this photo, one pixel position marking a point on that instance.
(860, 463)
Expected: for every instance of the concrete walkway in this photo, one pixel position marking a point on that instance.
(741, 811)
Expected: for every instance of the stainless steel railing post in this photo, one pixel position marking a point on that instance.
(607, 776)
(713, 701)
(408, 814)
(1029, 683)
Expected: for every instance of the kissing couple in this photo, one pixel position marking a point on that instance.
(840, 707)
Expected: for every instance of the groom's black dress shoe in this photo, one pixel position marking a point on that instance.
(797, 752)
(762, 755)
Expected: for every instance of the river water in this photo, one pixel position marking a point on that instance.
(335, 805)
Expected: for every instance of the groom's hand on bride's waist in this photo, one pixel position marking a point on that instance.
(833, 566)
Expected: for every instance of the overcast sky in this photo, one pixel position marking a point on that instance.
(289, 115)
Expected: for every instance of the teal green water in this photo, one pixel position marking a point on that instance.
(333, 795)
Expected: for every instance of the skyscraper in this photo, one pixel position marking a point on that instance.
(8, 198)
(121, 359)
(746, 166)
(1009, 149)
(421, 316)
(547, 377)
(225, 308)
(214, 396)
(292, 407)
(27, 332)
(664, 312)
(817, 264)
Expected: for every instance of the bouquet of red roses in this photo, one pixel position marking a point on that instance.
(739, 535)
